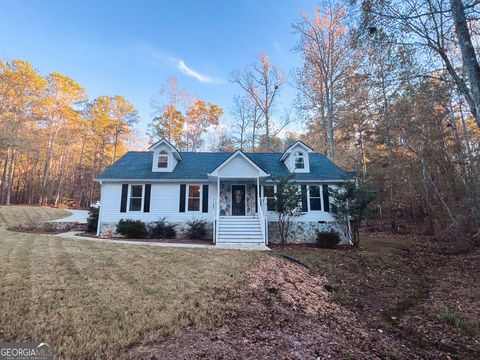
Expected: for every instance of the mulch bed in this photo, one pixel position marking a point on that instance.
(168, 241)
(48, 228)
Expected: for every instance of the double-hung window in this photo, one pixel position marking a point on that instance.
(269, 195)
(163, 159)
(299, 160)
(315, 198)
(136, 195)
(194, 197)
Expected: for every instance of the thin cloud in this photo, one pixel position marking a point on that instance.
(194, 74)
(162, 58)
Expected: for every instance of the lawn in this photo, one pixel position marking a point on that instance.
(99, 300)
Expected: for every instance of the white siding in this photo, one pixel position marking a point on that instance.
(238, 167)
(164, 202)
(310, 215)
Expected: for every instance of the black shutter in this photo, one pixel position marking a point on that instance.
(256, 199)
(205, 199)
(183, 190)
(303, 190)
(146, 202)
(123, 202)
(326, 198)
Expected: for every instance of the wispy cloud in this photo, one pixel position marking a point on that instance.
(163, 58)
(194, 74)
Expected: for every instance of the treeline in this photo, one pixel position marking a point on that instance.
(385, 89)
(53, 140)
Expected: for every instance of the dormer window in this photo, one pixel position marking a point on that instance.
(299, 160)
(163, 159)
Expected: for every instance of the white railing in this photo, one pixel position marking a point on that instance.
(262, 217)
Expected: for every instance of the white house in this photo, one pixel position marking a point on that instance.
(229, 190)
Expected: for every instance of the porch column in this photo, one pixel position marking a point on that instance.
(258, 194)
(217, 215)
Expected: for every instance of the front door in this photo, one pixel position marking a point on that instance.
(238, 200)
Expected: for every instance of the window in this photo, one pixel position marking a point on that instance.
(163, 159)
(299, 160)
(315, 199)
(269, 194)
(194, 198)
(136, 192)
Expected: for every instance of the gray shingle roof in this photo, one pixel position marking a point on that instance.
(137, 165)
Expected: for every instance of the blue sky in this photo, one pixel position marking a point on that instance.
(130, 48)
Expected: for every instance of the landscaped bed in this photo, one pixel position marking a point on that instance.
(148, 239)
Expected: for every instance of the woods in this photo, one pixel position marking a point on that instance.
(53, 140)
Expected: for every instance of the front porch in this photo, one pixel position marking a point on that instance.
(240, 214)
(241, 217)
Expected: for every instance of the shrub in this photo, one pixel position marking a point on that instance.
(197, 229)
(132, 228)
(162, 229)
(327, 239)
(92, 220)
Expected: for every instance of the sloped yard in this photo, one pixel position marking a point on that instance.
(94, 300)
(399, 297)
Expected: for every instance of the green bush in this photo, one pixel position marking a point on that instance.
(197, 229)
(162, 229)
(92, 220)
(327, 239)
(132, 228)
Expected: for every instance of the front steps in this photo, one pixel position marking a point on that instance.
(239, 230)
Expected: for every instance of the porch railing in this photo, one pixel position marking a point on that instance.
(262, 217)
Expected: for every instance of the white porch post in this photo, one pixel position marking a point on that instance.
(217, 215)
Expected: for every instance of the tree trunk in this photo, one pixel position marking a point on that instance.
(4, 177)
(46, 169)
(468, 53)
(11, 169)
(62, 175)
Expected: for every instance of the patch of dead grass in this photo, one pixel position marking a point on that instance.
(97, 300)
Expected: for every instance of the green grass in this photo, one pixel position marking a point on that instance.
(460, 323)
(100, 300)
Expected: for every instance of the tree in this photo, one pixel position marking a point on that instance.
(124, 116)
(286, 204)
(326, 47)
(20, 89)
(168, 125)
(350, 205)
(426, 26)
(261, 81)
(199, 118)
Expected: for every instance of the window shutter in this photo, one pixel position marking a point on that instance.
(205, 199)
(326, 198)
(256, 199)
(146, 202)
(303, 190)
(183, 190)
(123, 201)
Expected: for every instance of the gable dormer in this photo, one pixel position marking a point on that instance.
(296, 157)
(165, 156)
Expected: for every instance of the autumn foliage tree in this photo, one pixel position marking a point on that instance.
(53, 141)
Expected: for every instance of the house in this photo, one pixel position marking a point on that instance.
(229, 190)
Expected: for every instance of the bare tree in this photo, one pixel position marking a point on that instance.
(329, 58)
(428, 27)
(261, 81)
